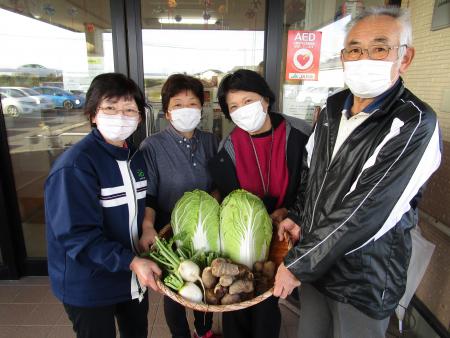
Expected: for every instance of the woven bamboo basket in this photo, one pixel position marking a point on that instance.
(276, 254)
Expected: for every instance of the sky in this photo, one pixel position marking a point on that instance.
(196, 50)
(32, 41)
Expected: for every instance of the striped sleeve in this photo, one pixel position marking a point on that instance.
(377, 200)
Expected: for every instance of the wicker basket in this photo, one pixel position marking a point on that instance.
(276, 254)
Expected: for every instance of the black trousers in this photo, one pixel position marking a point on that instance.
(262, 320)
(177, 322)
(98, 322)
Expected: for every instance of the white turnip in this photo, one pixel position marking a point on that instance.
(191, 292)
(190, 272)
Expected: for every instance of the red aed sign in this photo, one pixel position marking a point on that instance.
(303, 55)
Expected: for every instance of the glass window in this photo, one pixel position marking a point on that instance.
(311, 62)
(52, 47)
(205, 39)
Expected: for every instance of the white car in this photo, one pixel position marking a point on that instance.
(44, 103)
(39, 70)
(14, 106)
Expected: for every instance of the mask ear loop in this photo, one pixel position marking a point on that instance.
(400, 56)
(267, 101)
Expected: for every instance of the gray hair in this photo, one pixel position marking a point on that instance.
(399, 14)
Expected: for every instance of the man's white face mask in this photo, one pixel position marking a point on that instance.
(368, 78)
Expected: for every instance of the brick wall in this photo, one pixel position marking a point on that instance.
(429, 78)
(436, 199)
(429, 74)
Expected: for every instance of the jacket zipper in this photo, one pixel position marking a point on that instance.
(318, 195)
(140, 290)
(324, 178)
(331, 161)
(135, 198)
(317, 199)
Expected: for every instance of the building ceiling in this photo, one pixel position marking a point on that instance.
(82, 15)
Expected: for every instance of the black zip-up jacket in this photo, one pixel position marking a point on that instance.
(223, 169)
(356, 210)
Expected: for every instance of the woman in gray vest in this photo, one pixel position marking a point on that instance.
(177, 160)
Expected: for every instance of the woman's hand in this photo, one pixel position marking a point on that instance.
(148, 238)
(146, 271)
(148, 231)
(278, 215)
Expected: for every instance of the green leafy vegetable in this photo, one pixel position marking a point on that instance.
(179, 270)
(196, 218)
(245, 228)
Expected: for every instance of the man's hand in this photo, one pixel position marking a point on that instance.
(291, 228)
(146, 272)
(147, 238)
(278, 215)
(285, 282)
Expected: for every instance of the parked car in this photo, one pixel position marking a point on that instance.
(39, 70)
(14, 106)
(61, 98)
(78, 92)
(44, 103)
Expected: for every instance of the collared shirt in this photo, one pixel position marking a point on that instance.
(350, 122)
(175, 165)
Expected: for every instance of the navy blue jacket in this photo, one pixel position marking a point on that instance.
(94, 207)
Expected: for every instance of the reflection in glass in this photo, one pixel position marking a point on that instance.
(303, 98)
(204, 39)
(55, 48)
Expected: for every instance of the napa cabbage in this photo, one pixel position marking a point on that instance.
(195, 222)
(245, 228)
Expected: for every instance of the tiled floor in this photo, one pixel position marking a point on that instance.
(28, 309)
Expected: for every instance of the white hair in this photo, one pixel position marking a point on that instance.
(399, 14)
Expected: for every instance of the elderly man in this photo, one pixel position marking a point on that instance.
(373, 148)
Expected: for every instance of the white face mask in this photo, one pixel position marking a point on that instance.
(368, 78)
(250, 117)
(185, 119)
(116, 127)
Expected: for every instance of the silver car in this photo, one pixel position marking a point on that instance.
(14, 106)
(39, 70)
(44, 103)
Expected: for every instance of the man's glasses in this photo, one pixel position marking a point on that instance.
(110, 110)
(376, 52)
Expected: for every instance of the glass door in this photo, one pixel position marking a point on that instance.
(311, 69)
(205, 39)
(52, 50)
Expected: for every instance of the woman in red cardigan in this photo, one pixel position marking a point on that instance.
(262, 155)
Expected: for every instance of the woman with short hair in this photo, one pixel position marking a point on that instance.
(262, 155)
(94, 206)
(177, 159)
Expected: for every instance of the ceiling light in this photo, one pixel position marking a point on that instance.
(187, 21)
